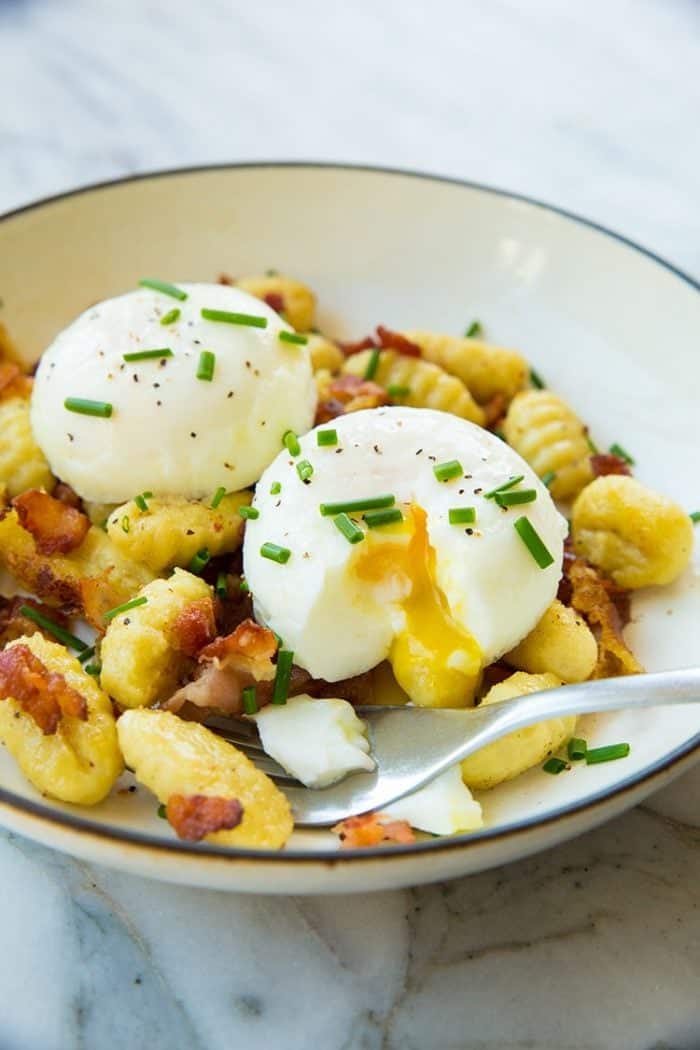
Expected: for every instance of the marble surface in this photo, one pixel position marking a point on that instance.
(594, 945)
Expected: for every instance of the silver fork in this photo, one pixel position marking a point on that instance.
(413, 745)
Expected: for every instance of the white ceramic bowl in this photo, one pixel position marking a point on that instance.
(613, 328)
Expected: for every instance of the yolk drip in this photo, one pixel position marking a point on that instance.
(434, 660)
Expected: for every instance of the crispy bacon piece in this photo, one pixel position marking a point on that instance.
(14, 624)
(373, 829)
(387, 339)
(195, 816)
(275, 301)
(606, 609)
(603, 463)
(65, 494)
(225, 278)
(41, 693)
(194, 627)
(56, 527)
(350, 394)
(368, 343)
(495, 410)
(249, 642)
(13, 382)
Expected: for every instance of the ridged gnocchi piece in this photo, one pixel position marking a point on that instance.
(324, 353)
(514, 754)
(173, 757)
(551, 438)
(429, 385)
(79, 762)
(171, 531)
(294, 300)
(22, 463)
(484, 369)
(561, 643)
(636, 536)
(142, 658)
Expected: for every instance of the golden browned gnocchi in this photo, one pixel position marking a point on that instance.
(561, 643)
(22, 463)
(638, 537)
(72, 758)
(514, 754)
(484, 369)
(425, 385)
(145, 650)
(174, 757)
(294, 300)
(551, 438)
(171, 531)
(324, 353)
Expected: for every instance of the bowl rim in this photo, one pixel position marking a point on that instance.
(680, 756)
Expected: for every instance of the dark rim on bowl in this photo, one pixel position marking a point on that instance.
(143, 840)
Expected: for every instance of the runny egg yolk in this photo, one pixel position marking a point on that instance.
(435, 661)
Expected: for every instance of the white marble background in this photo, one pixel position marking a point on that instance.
(594, 106)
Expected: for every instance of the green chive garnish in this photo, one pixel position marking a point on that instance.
(251, 513)
(171, 317)
(509, 484)
(554, 765)
(205, 368)
(354, 506)
(606, 754)
(326, 437)
(275, 488)
(93, 669)
(243, 586)
(618, 450)
(273, 552)
(163, 286)
(512, 499)
(446, 471)
(218, 496)
(199, 561)
(352, 532)
(372, 364)
(280, 689)
(125, 524)
(291, 443)
(537, 380)
(474, 330)
(85, 407)
(500, 434)
(53, 628)
(461, 515)
(249, 320)
(250, 700)
(146, 355)
(86, 654)
(140, 501)
(694, 516)
(376, 518)
(222, 585)
(548, 478)
(162, 812)
(531, 538)
(591, 444)
(397, 390)
(577, 749)
(292, 337)
(119, 609)
(304, 469)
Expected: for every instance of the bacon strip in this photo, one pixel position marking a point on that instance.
(373, 829)
(44, 695)
(603, 463)
(275, 301)
(57, 528)
(194, 627)
(14, 624)
(13, 382)
(385, 339)
(348, 393)
(195, 816)
(606, 609)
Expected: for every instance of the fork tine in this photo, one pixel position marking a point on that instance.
(255, 753)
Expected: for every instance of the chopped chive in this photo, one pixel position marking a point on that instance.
(172, 316)
(291, 443)
(249, 320)
(537, 380)
(356, 505)
(119, 609)
(84, 407)
(272, 273)
(93, 669)
(53, 628)
(86, 654)
(250, 700)
(251, 513)
(146, 355)
(244, 586)
(512, 499)
(205, 368)
(199, 561)
(218, 496)
(375, 518)
(280, 689)
(273, 552)
(162, 812)
(372, 364)
(509, 484)
(326, 437)
(397, 390)
(591, 443)
(140, 501)
(278, 638)
(554, 765)
(352, 532)
(222, 585)
(499, 434)
(292, 337)
(474, 330)
(125, 524)
(531, 538)
(618, 450)
(164, 287)
(548, 478)
(275, 488)
(304, 469)
(606, 754)
(446, 471)
(694, 516)
(461, 515)
(576, 749)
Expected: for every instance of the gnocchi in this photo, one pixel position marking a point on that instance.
(551, 438)
(561, 643)
(485, 370)
(22, 463)
(294, 300)
(324, 353)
